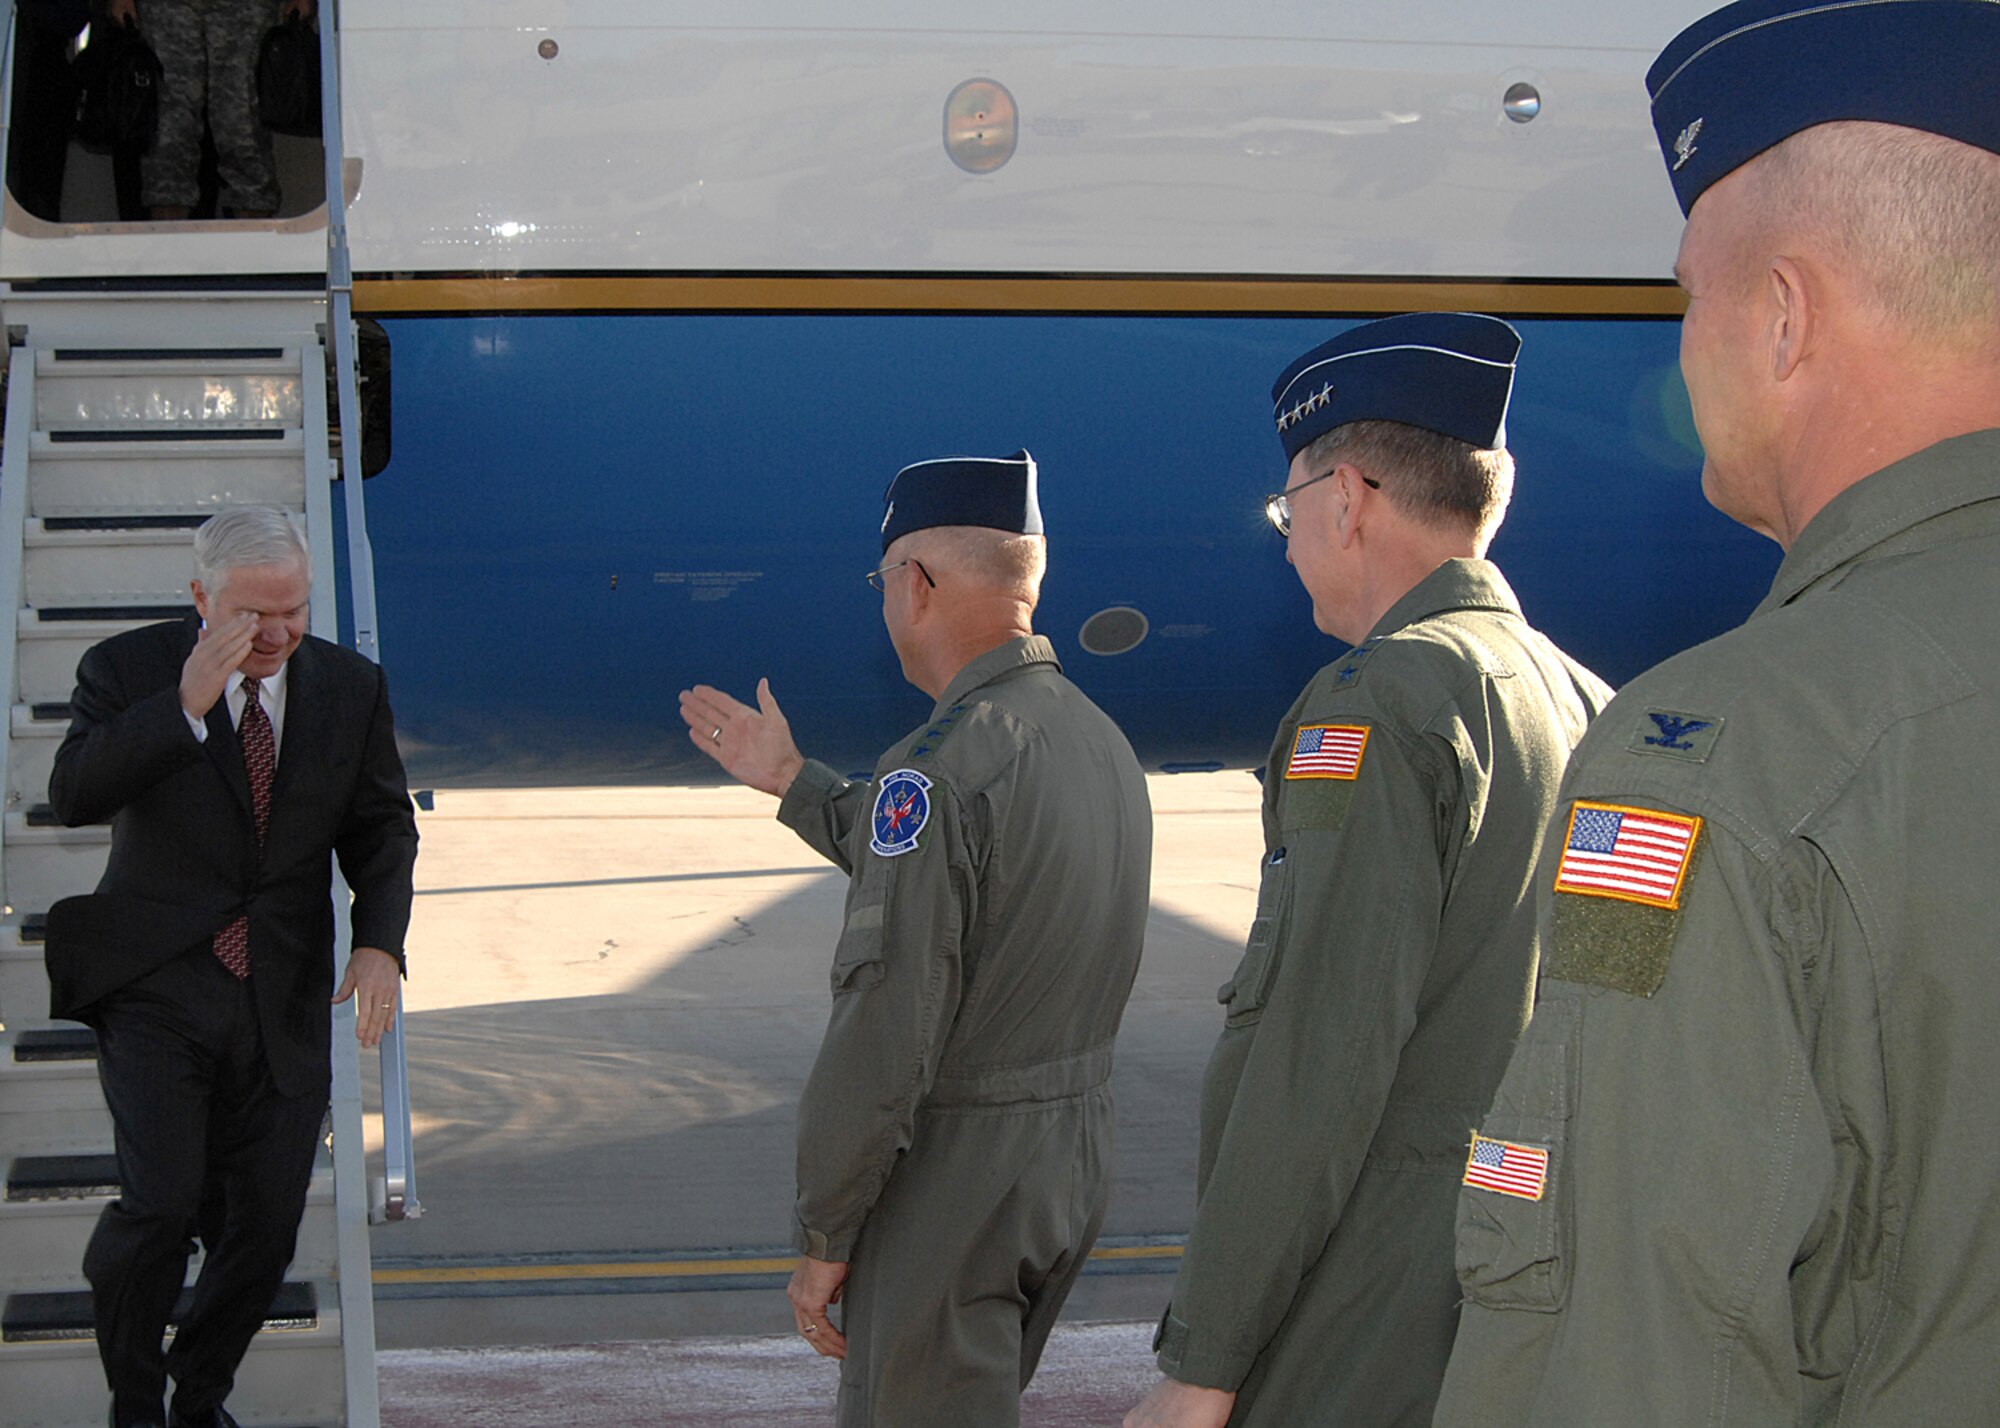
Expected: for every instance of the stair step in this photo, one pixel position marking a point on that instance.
(53, 1203)
(45, 865)
(62, 1177)
(194, 359)
(183, 479)
(65, 1316)
(112, 436)
(31, 757)
(62, 1043)
(291, 1376)
(24, 987)
(99, 570)
(137, 614)
(167, 394)
(46, 652)
(117, 522)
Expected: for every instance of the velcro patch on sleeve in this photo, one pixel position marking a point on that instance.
(1327, 751)
(1624, 875)
(1507, 1168)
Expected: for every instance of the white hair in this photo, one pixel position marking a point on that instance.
(249, 535)
(1001, 560)
(1915, 216)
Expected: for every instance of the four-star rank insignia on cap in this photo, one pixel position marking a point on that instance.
(1501, 1165)
(1327, 751)
(902, 809)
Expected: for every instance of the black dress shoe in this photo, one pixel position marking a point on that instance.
(217, 1417)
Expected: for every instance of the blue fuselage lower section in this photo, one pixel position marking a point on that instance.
(585, 514)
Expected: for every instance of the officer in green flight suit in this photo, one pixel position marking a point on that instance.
(954, 1138)
(1742, 1167)
(1392, 953)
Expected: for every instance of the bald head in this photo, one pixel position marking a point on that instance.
(1912, 218)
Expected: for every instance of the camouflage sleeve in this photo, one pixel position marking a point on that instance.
(1658, 1162)
(1318, 1012)
(897, 975)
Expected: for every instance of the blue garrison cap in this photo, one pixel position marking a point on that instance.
(1448, 372)
(990, 491)
(1753, 74)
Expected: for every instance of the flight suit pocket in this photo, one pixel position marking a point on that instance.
(1245, 993)
(1515, 1213)
(857, 961)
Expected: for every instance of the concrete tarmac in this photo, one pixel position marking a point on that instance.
(614, 998)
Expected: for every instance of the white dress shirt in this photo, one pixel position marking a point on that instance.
(270, 693)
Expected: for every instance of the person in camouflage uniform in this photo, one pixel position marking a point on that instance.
(208, 55)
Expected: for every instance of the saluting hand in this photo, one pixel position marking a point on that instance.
(1173, 1404)
(218, 651)
(753, 745)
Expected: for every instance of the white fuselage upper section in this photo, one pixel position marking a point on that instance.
(1358, 138)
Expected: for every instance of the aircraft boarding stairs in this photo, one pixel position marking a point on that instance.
(129, 418)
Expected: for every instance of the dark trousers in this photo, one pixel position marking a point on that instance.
(206, 1146)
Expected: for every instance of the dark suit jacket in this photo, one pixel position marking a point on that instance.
(184, 856)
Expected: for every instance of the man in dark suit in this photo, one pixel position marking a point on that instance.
(232, 757)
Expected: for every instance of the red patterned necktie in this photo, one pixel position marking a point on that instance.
(260, 762)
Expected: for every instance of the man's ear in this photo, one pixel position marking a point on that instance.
(200, 598)
(920, 588)
(1794, 316)
(1352, 494)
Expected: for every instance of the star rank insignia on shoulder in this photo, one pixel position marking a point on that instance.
(1348, 670)
(902, 809)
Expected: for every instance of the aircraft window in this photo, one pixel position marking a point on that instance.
(193, 144)
(1113, 631)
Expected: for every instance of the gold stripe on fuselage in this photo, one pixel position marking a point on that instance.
(529, 293)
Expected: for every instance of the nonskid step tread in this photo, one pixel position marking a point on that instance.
(65, 1315)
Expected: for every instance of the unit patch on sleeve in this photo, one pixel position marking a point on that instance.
(1509, 1169)
(1327, 751)
(1632, 854)
(902, 809)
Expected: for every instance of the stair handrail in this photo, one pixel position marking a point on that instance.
(399, 1200)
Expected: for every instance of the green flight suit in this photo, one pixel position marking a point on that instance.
(1773, 1183)
(1389, 969)
(954, 1138)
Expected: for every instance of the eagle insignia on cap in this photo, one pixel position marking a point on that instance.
(1684, 143)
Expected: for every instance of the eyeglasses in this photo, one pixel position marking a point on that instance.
(1278, 505)
(874, 577)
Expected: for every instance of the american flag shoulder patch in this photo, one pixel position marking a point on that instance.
(1631, 854)
(1508, 1168)
(1327, 751)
